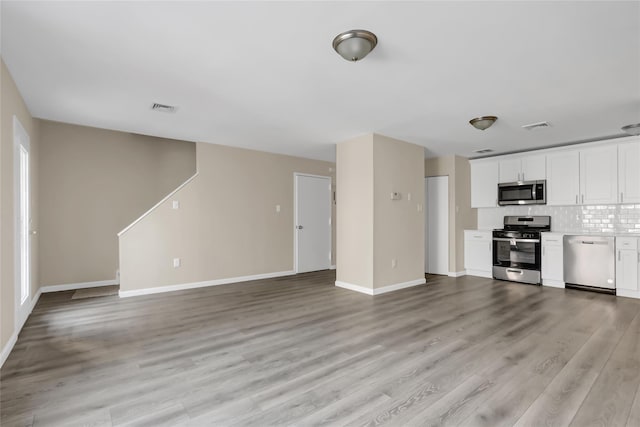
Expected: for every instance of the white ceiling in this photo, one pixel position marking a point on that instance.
(263, 75)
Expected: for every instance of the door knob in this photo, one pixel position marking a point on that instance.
(299, 227)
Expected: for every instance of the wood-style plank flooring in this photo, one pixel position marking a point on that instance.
(299, 351)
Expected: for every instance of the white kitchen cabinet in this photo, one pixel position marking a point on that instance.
(563, 178)
(552, 260)
(599, 175)
(478, 253)
(484, 184)
(629, 172)
(627, 267)
(527, 168)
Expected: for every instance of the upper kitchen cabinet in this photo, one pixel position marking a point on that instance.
(629, 172)
(527, 168)
(599, 175)
(484, 184)
(563, 178)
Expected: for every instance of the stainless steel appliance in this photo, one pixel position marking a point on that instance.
(590, 262)
(517, 248)
(523, 193)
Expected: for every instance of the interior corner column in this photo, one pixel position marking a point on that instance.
(379, 214)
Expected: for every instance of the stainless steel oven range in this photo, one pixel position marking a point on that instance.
(517, 249)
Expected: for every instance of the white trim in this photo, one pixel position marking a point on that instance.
(128, 227)
(352, 287)
(194, 285)
(457, 273)
(480, 273)
(6, 351)
(398, 286)
(20, 139)
(553, 283)
(82, 285)
(627, 293)
(295, 215)
(383, 290)
(332, 267)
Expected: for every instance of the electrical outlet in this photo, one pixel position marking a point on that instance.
(176, 204)
(277, 208)
(419, 207)
(176, 262)
(409, 197)
(394, 263)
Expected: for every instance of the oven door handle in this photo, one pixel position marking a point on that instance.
(503, 239)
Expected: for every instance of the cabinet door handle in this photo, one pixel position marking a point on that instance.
(583, 199)
(576, 199)
(618, 255)
(523, 176)
(621, 197)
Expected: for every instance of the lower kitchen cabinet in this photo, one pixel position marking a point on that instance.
(552, 260)
(478, 253)
(627, 267)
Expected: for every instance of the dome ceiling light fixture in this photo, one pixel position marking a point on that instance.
(353, 45)
(632, 129)
(483, 122)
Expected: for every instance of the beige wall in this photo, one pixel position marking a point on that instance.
(13, 104)
(354, 215)
(373, 229)
(461, 215)
(227, 225)
(398, 224)
(94, 183)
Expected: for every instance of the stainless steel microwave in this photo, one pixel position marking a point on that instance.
(523, 193)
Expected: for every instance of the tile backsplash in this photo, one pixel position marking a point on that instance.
(617, 219)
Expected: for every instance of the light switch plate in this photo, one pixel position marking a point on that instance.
(176, 204)
(277, 208)
(176, 262)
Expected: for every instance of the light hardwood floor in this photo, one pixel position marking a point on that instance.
(299, 351)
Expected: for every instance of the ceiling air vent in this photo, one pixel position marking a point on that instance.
(163, 107)
(538, 125)
(484, 151)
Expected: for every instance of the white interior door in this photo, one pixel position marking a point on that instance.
(22, 222)
(437, 226)
(313, 223)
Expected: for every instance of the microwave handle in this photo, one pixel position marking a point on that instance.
(533, 192)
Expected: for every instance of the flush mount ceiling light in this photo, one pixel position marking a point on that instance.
(354, 45)
(483, 122)
(632, 129)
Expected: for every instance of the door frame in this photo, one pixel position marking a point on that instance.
(20, 138)
(426, 224)
(295, 217)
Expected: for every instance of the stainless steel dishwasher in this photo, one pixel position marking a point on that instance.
(590, 262)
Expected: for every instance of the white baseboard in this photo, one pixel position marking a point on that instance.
(332, 267)
(352, 287)
(457, 273)
(17, 329)
(480, 273)
(7, 348)
(194, 285)
(627, 293)
(398, 286)
(553, 283)
(383, 290)
(82, 285)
